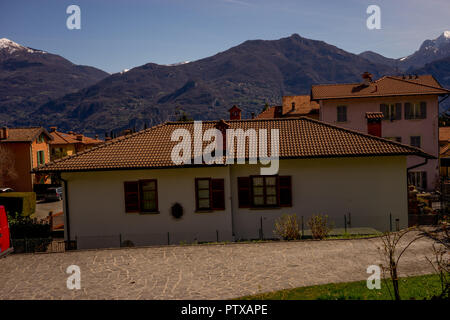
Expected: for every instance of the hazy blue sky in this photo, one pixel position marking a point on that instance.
(123, 34)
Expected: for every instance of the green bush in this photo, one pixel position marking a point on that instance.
(23, 203)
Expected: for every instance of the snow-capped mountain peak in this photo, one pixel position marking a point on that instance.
(11, 46)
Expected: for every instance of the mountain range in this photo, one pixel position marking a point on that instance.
(254, 73)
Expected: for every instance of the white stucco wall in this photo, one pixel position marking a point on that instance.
(97, 208)
(368, 188)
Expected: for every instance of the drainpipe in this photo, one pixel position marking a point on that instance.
(66, 209)
(231, 201)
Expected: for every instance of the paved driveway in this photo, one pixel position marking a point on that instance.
(198, 272)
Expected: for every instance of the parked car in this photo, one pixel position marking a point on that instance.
(5, 239)
(54, 194)
(4, 189)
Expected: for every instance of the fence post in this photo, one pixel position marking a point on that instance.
(262, 232)
(217, 235)
(303, 228)
(345, 223)
(390, 222)
(397, 224)
(120, 240)
(168, 238)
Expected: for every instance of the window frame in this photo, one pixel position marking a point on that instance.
(140, 197)
(40, 157)
(141, 182)
(212, 194)
(420, 141)
(278, 190)
(416, 110)
(393, 111)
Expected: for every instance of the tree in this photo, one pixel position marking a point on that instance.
(7, 161)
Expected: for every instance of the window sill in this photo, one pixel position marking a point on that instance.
(146, 213)
(266, 208)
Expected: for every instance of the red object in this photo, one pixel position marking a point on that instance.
(4, 232)
(235, 113)
(374, 128)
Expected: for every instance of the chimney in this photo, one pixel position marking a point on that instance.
(235, 113)
(4, 133)
(53, 129)
(374, 123)
(367, 78)
(79, 137)
(293, 106)
(253, 115)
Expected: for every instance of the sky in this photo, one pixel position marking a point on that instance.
(122, 34)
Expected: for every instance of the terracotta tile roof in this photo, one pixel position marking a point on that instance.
(302, 105)
(299, 138)
(270, 113)
(444, 133)
(71, 138)
(25, 134)
(374, 115)
(385, 86)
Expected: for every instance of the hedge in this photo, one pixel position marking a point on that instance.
(23, 203)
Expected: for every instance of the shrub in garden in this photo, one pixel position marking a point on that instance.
(287, 227)
(24, 227)
(319, 225)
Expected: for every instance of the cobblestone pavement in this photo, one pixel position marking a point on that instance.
(198, 272)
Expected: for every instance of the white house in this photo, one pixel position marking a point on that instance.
(125, 190)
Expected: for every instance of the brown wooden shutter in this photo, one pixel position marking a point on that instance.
(285, 191)
(423, 110)
(398, 111)
(244, 192)
(384, 110)
(131, 189)
(407, 110)
(218, 194)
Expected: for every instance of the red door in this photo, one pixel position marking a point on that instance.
(4, 231)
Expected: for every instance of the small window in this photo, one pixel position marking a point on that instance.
(244, 192)
(210, 194)
(415, 110)
(391, 111)
(341, 113)
(418, 179)
(415, 141)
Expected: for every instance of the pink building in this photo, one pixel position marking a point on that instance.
(409, 107)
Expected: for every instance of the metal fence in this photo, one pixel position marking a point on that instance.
(34, 245)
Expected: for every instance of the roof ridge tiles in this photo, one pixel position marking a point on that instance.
(416, 83)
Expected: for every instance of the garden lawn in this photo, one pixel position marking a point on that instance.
(418, 287)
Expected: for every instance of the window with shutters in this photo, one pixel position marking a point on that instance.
(341, 113)
(210, 194)
(391, 111)
(141, 196)
(415, 141)
(415, 110)
(264, 191)
(418, 179)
